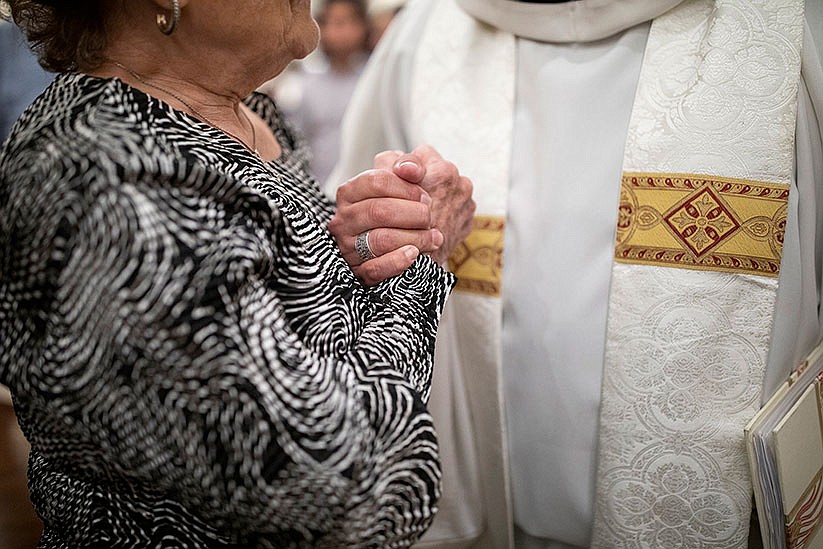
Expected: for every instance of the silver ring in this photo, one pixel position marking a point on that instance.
(361, 244)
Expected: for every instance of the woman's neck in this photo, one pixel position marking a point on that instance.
(214, 101)
(195, 70)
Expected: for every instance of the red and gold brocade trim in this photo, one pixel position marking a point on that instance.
(478, 260)
(701, 222)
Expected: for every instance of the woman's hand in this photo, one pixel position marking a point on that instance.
(394, 217)
(410, 203)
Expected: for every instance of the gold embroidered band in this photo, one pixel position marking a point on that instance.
(701, 222)
(478, 260)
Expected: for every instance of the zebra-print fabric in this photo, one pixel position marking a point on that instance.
(191, 358)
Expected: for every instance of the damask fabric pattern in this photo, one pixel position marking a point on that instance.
(686, 350)
(192, 360)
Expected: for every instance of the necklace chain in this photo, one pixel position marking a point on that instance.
(197, 113)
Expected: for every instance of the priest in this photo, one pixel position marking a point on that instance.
(646, 262)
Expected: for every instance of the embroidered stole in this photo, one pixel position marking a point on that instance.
(707, 169)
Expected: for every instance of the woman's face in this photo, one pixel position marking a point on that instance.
(303, 33)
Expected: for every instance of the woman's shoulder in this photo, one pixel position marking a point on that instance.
(69, 97)
(88, 133)
(77, 118)
(82, 140)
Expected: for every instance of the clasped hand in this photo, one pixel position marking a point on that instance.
(411, 204)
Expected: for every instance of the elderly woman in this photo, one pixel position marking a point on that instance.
(195, 359)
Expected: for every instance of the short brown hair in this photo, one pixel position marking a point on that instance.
(66, 35)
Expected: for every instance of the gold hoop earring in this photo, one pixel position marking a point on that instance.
(167, 27)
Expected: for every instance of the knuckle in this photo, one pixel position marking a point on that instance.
(378, 213)
(339, 223)
(379, 240)
(380, 156)
(391, 153)
(380, 179)
(424, 149)
(334, 224)
(437, 167)
(451, 170)
(466, 184)
(444, 171)
(430, 151)
(343, 192)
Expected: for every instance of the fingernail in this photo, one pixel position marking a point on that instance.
(425, 198)
(407, 163)
(411, 252)
(437, 238)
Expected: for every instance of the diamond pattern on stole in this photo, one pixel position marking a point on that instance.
(703, 223)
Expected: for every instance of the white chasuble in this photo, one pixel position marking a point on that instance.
(707, 170)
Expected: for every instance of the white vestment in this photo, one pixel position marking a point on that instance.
(575, 73)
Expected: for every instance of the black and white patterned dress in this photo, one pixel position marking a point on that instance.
(191, 358)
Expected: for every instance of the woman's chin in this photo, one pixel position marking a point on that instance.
(306, 45)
